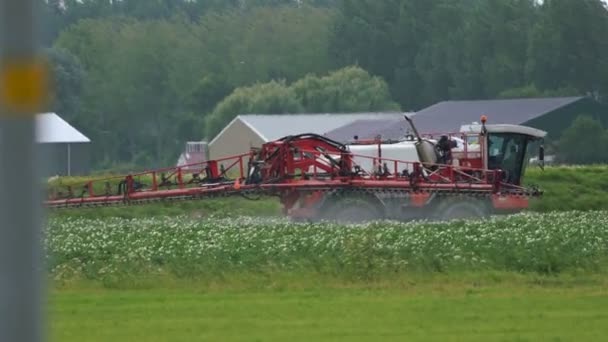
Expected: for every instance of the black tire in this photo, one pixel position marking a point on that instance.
(352, 210)
(461, 209)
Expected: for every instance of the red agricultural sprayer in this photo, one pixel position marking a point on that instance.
(472, 173)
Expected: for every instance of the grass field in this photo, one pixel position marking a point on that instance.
(570, 188)
(494, 308)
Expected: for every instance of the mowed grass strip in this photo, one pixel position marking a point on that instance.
(570, 188)
(424, 313)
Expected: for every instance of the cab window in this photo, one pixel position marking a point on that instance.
(506, 151)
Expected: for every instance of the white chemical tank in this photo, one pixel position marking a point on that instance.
(405, 151)
(402, 151)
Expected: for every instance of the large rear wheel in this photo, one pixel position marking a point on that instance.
(352, 209)
(462, 208)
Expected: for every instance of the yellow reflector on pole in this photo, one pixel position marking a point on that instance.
(24, 86)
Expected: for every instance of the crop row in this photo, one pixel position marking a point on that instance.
(547, 243)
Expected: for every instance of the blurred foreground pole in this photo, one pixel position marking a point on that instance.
(22, 93)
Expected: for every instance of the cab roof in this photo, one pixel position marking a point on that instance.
(505, 128)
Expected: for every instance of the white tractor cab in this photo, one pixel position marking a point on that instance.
(477, 146)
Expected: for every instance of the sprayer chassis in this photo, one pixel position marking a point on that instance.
(316, 179)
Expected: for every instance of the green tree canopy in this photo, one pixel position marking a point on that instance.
(531, 91)
(568, 46)
(150, 83)
(584, 142)
(141, 76)
(350, 89)
(68, 76)
(262, 98)
(430, 51)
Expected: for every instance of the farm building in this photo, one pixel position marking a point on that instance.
(62, 148)
(553, 115)
(550, 114)
(247, 131)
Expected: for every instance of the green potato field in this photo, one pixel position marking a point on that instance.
(112, 248)
(527, 277)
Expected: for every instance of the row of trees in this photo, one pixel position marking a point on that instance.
(59, 14)
(584, 142)
(142, 76)
(433, 50)
(347, 90)
(140, 88)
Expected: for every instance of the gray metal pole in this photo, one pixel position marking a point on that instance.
(69, 160)
(21, 92)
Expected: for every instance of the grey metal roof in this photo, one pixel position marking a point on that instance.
(393, 128)
(272, 127)
(449, 116)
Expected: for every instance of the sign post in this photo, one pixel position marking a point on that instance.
(23, 91)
